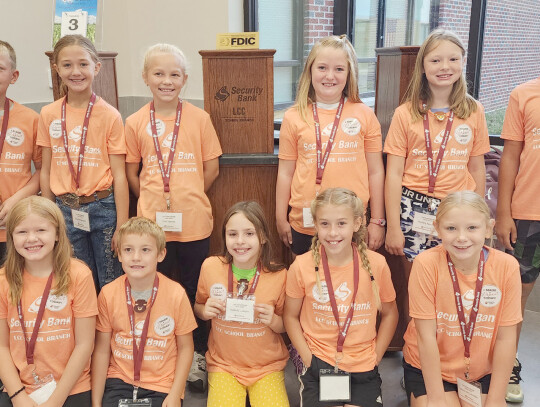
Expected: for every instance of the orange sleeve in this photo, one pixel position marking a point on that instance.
(281, 299)
(511, 306)
(295, 286)
(481, 138)
(210, 146)
(422, 289)
(43, 138)
(373, 138)
(396, 140)
(202, 287)
(3, 298)
(514, 124)
(288, 142)
(36, 152)
(84, 297)
(386, 287)
(116, 142)
(133, 148)
(103, 323)
(185, 321)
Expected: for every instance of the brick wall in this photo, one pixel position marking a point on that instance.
(318, 21)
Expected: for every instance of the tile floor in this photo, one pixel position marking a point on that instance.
(391, 373)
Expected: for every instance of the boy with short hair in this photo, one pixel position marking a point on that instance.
(146, 307)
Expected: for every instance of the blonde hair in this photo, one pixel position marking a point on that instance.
(68, 41)
(418, 91)
(142, 226)
(305, 94)
(15, 263)
(7, 49)
(463, 198)
(162, 48)
(255, 214)
(345, 197)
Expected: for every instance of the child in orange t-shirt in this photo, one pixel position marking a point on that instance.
(145, 307)
(18, 144)
(450, 285)
(52, 297)
(89, 187)
(171, 188)
(245, 351)
(328, 108)
(331, 308)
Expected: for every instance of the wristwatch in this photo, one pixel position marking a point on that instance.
(380, 222)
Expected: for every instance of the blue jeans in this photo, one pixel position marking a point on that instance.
(94, 247)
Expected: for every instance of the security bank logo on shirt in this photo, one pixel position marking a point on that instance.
(75, 134)
(54, 303)
(341, 293)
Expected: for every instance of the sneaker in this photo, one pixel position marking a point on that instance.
(514, 394)
(198, 378)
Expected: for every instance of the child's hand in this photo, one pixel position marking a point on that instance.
(266, 313)
(213, 308)
(171, 401)
(4, 210)
(375, 236)
(113, 241)
(395, 242)
(505, 229)
(284, 232)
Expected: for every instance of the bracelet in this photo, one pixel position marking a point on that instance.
(380, 222)
(17, 392)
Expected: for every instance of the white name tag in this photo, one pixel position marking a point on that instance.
(45, 389)
(308, 218)
(423, 223)
(240, 310)
(334, 386)
(81, 220)
(169, 221)
(470, 392)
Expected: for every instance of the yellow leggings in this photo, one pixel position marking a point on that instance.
(225, 391)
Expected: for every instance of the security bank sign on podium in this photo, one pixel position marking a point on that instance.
(239, 96)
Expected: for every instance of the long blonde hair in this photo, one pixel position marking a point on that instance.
(305, 94)
(419, 91)
(338, 197)
(15, 263)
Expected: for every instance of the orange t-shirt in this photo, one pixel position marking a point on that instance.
(359, 133)
(468, 138)
(317, 319)
(56, 337)
(19, 151)
(522, 123)
(105, 136)
(431, 296)
(171, 315)
(197, 142)
(247, 351)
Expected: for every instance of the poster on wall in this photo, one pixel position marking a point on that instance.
(75, 17)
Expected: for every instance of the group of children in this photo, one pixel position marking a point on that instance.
(336, 302)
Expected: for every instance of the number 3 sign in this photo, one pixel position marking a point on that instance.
(74, 22)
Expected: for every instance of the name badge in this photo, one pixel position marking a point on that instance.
(308, 218)
(137, 403)
(470, 392)
(43, 389)
(81, 220)
(169, 221)
(423, 223)
(334, 386)
(240, 310)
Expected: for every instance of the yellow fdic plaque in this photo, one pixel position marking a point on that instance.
(238, 41)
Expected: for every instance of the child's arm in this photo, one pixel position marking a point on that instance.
(84, 342)
(291, 319)
(387, 328)
(505, 228)
(183, 364)
(477, 169)
(132, 174)
(503, 360)
(31, 188)
(210, 310)
(45, 173)
(395, 241)
(121, 192)
(100, 365)
(210, 172)
(286, 170)
(375, 237)
(269, 318)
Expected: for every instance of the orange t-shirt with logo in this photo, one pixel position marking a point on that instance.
(522, 123)
(247, 351)
(197, 142)
(56, 337)
(468, 138)
(170, 316)
(359, 133)
(105, 136)
(431, 296)
(316, 316)
(19, 151)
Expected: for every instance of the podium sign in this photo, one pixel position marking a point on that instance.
(239, 96)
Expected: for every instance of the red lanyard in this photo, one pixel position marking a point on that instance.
(434, 170)
(253, 285)
(467, 329)
(165, 173)
(356, 270)
(138, 351)
(323, 159)
(77, 177)
(4, 125)
(31, 344)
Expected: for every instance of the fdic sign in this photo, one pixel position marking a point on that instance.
(238, 41)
